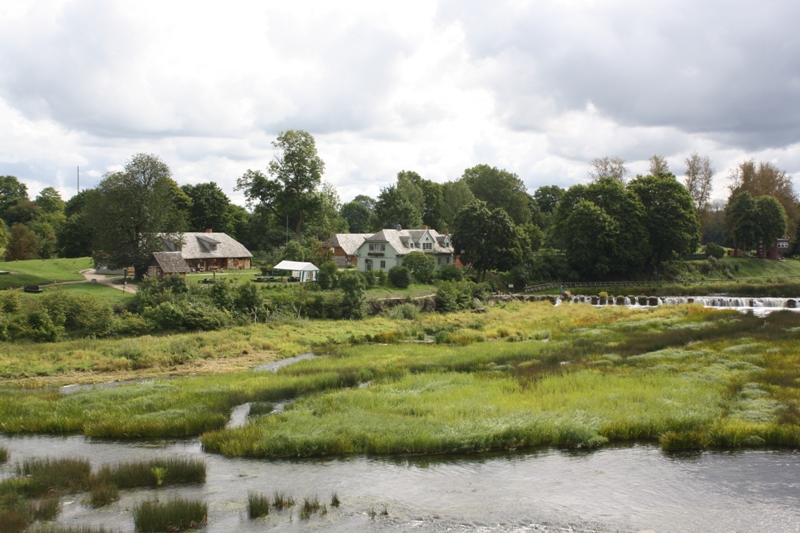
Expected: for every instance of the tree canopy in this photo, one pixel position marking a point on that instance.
(294, 175)
(499, 189)
(131, 211)
(486, 239)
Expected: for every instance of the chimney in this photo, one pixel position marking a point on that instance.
(424, 227)
(209, 230)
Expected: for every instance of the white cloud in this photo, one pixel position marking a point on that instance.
(539, 88)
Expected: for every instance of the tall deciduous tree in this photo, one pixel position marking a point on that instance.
(22, 244)
(658, 165)
(357, 216)
(592, 234)
(699, 174)
(771, 220)
(608, 167)
(393, 207)
(670, 216)
(766, 179)
(499, 189)
(295, 174)
(131, 211)
(209, 208)
(486, 239)
(741, 220)
(455, 196)
(11, 192)
(49, 201)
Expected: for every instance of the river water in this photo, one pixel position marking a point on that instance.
(616, 489)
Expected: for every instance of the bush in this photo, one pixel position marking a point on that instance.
(450, 273)
(404, 311)
(453, 295)
(352, 285)
(327, 275)
(400, 277)
(715, 250)
(369, 278)
(421, 265)
(381, 278)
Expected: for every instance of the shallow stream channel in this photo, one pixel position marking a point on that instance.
(613, 489)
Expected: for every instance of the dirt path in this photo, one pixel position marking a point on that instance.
(93, 277)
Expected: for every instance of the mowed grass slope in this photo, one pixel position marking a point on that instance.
(42, 271)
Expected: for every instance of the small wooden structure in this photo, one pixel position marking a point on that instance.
(32, 288)
(167, 263)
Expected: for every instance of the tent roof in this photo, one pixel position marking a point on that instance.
(295, 265)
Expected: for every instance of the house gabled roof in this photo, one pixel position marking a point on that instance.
(202, 245)
(348, 242)
(403, 240)
(171, 262)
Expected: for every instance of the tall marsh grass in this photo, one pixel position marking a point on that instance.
(176, 514)
(257, 505)
(153, 473)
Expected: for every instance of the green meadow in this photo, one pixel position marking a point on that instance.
(520, 375)
(42, 271)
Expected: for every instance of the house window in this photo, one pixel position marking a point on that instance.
(383, 264)
(438, 260)
(427, 246)
(377, 247)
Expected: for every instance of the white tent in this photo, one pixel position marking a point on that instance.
(304, 271)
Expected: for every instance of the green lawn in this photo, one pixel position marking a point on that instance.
(755, 268)
(413, 291)
(97, 291)
(42, 271)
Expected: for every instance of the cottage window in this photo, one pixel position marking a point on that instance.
(383, 264)
(377, 247)
(427, 246)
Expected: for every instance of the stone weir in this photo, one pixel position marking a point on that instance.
(721, 302)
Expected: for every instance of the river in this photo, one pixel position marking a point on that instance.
(615, 489)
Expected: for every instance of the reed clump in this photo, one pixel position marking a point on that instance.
(281, 500)
(51, 476)
(153, 473)
(257, 505)
(310, 506)
(176, 514)
(103, 494)
(3, 454)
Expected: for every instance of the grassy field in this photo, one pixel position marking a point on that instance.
(42, 271)
(96, 291)
(520, 375)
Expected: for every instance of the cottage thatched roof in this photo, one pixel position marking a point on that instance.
(171, 262)
(201, 245)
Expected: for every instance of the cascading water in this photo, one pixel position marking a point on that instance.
(759, 306)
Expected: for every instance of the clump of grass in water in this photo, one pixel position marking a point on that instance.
(310, 506)
(674, 441)
(153, 473)
(335, 500)
(257, 505)
(173, 515)
(57, 528)
(281, 500)
(3, 454)
(54, 475)
(104, 494)
(16, 514)
(46, 509)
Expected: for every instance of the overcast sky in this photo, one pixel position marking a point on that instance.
(536, 87)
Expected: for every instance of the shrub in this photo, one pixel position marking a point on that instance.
(173, 515)
(10, 301)
(381, 278)
(450, 273)
(221, 295)
(104, 494)
(327, 275)
(715, 250)
(352, 285)
(421, 265)
(452, 296)
(404, 311)
(369, 278)
(400, 277)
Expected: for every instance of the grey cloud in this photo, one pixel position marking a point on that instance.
(729, 70)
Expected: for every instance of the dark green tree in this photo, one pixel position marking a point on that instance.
(75, 236)
(400, 276)
(741, 221)
(771, 220)
(22, 244)
(393, 207)
(132, 211)
(209, 208)
(12, 191)
(357, 216)
(421, 265)
(456, 195)
(352, 285)
(499, 189)
(670, 216)
(591, 233)
(295, 174)
(486, 240)
(49, 201)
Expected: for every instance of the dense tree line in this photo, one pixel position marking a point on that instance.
(608, 228)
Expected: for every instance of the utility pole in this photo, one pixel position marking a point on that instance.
(79, 179)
